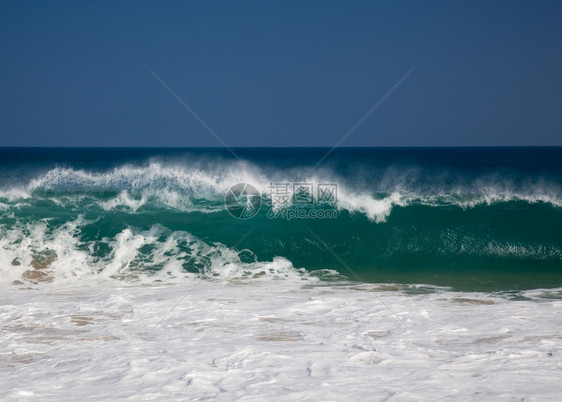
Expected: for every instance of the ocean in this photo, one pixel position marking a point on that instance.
(251, 273)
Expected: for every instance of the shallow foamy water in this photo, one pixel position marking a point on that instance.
(283, 339)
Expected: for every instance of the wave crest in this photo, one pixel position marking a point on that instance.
(202, 186)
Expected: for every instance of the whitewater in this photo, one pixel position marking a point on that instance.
(293, 339)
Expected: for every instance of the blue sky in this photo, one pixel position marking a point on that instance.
(280, 73)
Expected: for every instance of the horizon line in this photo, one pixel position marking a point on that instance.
(270, 146)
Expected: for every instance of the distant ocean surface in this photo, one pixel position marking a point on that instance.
(467, 218)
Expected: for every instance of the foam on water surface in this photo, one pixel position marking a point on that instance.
(284, 339)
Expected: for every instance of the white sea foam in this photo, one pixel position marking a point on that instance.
(374, 209)
(34, 255)
(26, 247)
(123, 200)
(264, 340)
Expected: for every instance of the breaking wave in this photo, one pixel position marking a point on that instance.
(201, 188)
(161, 219)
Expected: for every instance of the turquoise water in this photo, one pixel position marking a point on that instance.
(469, 218)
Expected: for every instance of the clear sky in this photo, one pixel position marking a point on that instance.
(283, 73)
